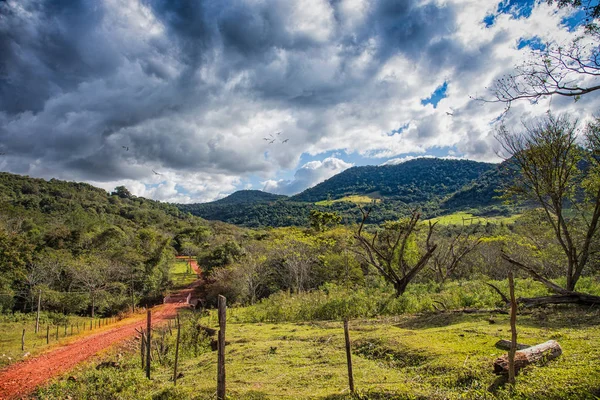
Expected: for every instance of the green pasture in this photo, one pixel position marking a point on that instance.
(424, 356)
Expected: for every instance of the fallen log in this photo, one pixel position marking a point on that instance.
(570, 298)
(505, 345)
(542, 352)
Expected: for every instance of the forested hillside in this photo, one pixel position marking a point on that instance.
(85, 249)
(484, 191)
(399, 189)
(413, 181)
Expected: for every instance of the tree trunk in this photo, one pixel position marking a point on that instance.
(542, 352)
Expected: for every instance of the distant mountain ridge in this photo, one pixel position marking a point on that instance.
(249, 196)
(423, 183)
(412, 181)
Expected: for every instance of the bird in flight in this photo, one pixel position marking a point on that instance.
(126, 148)
(272, 138)
(156, 173)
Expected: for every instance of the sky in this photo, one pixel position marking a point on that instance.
(188, 101)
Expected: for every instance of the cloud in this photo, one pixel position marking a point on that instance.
(308, 175)
(104, 92)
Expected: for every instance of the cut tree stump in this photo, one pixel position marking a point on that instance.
(542, 352)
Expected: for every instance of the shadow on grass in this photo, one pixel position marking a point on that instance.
(436, 320)
(372, 395)
(560, 316)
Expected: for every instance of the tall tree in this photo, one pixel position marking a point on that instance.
(562, 177)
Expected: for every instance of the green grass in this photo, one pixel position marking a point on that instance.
(356, 199)
(182, 275)
(11, 330)
(460, 218)
(427, 356)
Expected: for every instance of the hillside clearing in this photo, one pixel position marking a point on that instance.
(465, 218)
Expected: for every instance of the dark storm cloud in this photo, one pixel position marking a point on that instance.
(109, 90)
(50, 47)
(408, 27)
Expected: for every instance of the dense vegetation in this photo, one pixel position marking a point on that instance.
(85, 250)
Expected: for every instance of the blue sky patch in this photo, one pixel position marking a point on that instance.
(574, 20)
(489, 20)
(399, 130)
(534, 43)
(438, 94)
(516, 8)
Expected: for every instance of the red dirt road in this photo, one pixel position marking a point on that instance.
(20, 379)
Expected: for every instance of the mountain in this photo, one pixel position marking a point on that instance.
(421, 183)
(249, 196)
(251, 208)
(418, 180)
(484, 191)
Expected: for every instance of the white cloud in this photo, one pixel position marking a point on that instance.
(308, 175)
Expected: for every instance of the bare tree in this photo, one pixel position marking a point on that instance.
(299, 259)
(387, 250)
(555, 173)
(572, 70)
(255, 271)
(449, 255)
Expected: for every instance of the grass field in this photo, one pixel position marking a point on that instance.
(182, 275)
(429, 356)
(11, 332)
(463, 218)
(356, 199)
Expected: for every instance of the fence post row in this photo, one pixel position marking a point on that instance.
(221, 347)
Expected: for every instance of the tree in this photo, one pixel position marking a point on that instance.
(321, 220)
(562, 177)
(388, 250)
(122, 192)
(451, 253)
(571, 71)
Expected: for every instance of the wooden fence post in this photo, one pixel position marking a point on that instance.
(148, 341)
(176, 351)
(348, 356)
(56, 332)
(47, 334)
(513, 330)
(66, 326)
(142, 347)
(23, 340)
(37, 317)
(221, 347)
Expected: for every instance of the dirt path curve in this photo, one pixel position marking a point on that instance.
(20, 379)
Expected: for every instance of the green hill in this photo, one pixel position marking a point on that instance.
(84, 247)
(414, 181)
(485, 191)
(249, 196)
